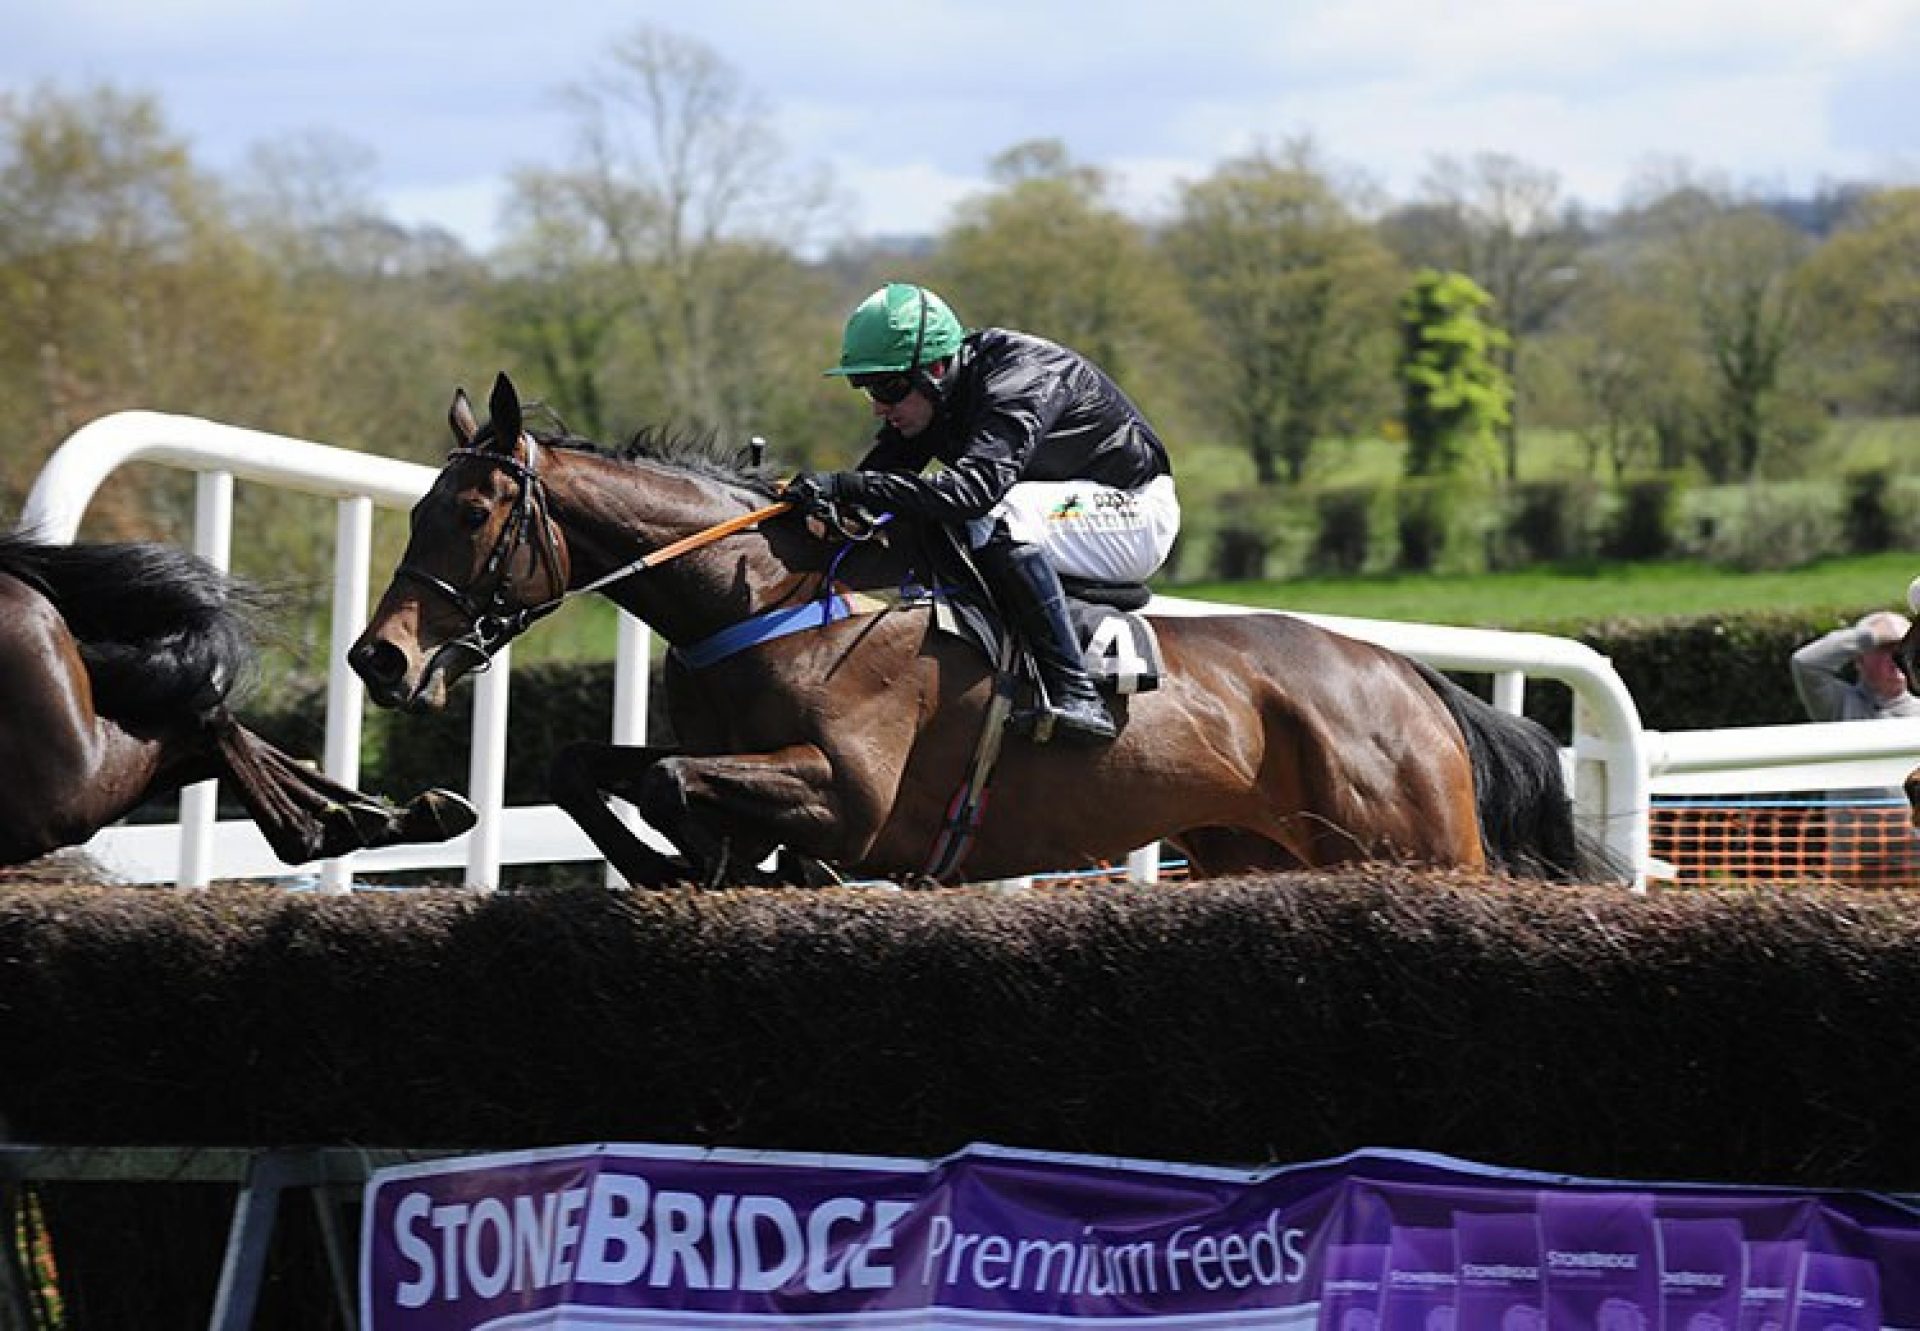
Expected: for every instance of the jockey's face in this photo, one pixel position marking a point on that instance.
(910, 415)
(909, 411)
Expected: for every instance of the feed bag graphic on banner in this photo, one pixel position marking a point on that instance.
(631, 1236)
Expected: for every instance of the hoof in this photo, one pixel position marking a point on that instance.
(436, 815)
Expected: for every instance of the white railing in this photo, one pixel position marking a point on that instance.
(1616, 766)
(1830, 755)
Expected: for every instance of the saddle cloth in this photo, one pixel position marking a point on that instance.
(1119, 647)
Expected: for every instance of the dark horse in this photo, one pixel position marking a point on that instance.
(116, 662)
(1269, 743)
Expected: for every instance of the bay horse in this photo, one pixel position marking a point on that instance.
(1269, 743)
(117, 662)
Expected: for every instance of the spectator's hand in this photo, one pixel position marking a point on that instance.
(1884, 628)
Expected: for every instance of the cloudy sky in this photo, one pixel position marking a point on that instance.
(905, 102)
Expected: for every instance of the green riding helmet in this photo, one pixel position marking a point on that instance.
(897, 329)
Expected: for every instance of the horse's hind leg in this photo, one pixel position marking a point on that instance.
(305, 816)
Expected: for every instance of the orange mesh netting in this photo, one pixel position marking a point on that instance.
(1863, 840)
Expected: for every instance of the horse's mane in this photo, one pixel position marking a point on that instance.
(162, 631)
(702, 452)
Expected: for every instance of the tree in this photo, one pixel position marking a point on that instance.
(1047, 253)
(1296, 294)
(1502, 223)
(1456, 395)
(1639, 381)
(1863, 298)
(655, 261)
(129, 284)
(97, 202)
(1735, 267)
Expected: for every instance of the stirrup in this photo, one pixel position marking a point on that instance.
(1081, 728)
(1045, 723)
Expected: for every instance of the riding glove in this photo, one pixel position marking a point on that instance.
(819, 491)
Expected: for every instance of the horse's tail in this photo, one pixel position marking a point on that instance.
(1520, 793)
(162, 631)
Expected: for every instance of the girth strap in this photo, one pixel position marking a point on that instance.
(969, 804)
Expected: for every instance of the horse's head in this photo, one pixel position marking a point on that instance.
(482, 562)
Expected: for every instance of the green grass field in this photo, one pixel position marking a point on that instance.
(1535, 597)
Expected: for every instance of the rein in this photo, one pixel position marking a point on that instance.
(491, 626)
(685, 545)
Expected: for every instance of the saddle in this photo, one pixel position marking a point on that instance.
(1118, 646)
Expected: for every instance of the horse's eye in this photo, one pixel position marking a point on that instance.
(473, 519)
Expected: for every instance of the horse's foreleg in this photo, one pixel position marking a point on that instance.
(305, 815)
(727, 812)
(583, 774)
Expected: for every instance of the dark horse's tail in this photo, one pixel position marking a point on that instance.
(163, 633)
(1526, 817)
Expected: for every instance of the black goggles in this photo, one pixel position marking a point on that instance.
(886, 389)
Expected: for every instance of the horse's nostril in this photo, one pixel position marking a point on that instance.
(377, 662)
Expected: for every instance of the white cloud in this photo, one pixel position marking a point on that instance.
(913, 198)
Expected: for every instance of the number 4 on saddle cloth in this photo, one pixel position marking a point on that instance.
(1119, 649)
(1118, 646)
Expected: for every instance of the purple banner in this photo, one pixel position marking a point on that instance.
(618, 1236)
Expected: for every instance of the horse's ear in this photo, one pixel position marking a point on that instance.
(460, 419)
(504, 406)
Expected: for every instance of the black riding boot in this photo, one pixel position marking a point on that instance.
(1029, 591)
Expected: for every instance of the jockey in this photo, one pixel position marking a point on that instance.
(1046, 463)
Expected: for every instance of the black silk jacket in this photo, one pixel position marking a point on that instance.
(1016, 408)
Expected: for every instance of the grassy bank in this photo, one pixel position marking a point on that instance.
(1534, 597)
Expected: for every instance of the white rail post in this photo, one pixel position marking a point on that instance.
(200, 802)
(1510, 691)
(631, 672)
(1143, 865)
(346, 697)
(487, 773)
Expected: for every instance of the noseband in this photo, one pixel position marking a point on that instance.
(493, 625)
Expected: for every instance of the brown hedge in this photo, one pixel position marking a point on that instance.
(1728, 1035)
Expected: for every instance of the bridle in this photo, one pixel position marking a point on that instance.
(492, 625)
(496, 622)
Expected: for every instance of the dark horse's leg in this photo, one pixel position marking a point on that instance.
(305, 816)
(586, 772)
(582, 775)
